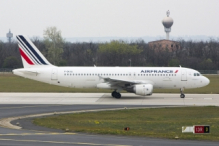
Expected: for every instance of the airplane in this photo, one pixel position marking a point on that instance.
(138, 80)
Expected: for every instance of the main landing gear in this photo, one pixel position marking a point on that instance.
(116, 94)
(182, 95)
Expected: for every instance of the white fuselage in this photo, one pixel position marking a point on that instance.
(91, 77)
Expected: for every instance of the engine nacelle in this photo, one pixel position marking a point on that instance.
(143, 89)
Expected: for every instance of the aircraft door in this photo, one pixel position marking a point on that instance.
(183, 75)
(54, 74)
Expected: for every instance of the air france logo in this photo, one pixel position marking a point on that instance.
(158, 71)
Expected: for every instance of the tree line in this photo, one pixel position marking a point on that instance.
(199, 55)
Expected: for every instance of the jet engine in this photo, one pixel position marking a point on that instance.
(143, 89)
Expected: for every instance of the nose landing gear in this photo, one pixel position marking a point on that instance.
(116, 94)
(182, 95)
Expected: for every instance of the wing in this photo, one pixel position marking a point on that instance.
(114, 82)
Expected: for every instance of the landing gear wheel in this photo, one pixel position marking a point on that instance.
(117, 95)
(113, 93)
(182, 96)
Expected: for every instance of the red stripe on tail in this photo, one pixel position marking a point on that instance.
(25, 57)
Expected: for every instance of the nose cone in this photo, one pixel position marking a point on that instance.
(206, 81)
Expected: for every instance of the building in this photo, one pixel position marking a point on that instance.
(163, 45)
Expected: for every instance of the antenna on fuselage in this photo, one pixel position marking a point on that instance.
(94, 65)
(180, 66)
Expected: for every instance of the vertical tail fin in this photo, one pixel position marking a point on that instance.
(30, 55)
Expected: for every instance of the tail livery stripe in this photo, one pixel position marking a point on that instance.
(32, 50)
(25, 49)
(25, 57)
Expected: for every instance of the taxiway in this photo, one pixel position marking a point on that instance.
(22, 104)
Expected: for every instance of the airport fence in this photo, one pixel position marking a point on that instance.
(209, 71)
(6, 70)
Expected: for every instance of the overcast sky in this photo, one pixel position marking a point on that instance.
(107, 18)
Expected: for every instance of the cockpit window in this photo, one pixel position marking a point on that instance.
(197, 74)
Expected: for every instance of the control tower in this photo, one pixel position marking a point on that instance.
(167, 23)
(9, 35)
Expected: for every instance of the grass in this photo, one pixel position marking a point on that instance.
(12, 83)
(154, 122)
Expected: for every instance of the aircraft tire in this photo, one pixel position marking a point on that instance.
(117, 95)
(113, 93)
(182, 96)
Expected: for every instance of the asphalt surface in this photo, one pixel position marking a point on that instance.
(34, 135)
(106, 99)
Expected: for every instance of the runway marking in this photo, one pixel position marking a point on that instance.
(208, 98)
(29, 106)
(18, 134)
(62, 142)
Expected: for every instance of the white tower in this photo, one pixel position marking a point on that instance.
(167, 23)
(9, 35)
